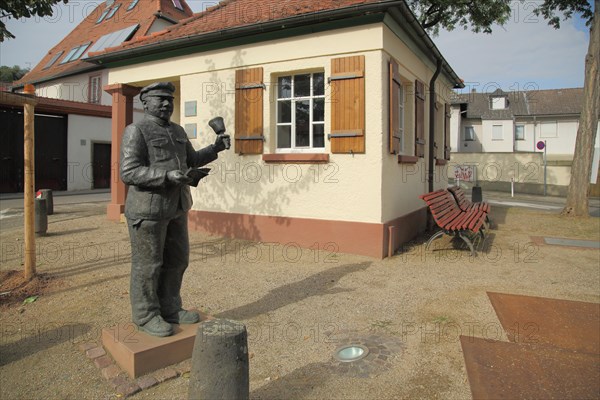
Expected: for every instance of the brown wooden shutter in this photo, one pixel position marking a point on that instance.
(419, 119)
(249, 88)
(394, 77)
(348, 105)
(447, 146)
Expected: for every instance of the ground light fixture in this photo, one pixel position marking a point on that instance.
(351, 353)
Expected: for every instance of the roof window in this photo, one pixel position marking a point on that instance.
(104, 13)
(112, 12)
(178, 5)
(53, 60)
(132, 5)
(75, 53)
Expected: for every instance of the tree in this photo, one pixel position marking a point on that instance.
(23, 9)
(11, 74)
(480, 15)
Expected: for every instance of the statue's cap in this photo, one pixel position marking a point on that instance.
(163, 89)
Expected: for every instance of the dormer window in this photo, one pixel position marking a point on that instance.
(178, 5)
(498, 103)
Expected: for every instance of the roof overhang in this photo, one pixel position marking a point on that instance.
(360, 14)
(85, 67)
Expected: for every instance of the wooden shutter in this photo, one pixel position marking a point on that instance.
(249, 88)
(348, 105)
(394, 134)
(419, 119)
(447, 146)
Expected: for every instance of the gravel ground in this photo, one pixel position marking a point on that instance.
(299, 306)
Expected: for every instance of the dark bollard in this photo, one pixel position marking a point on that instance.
(476, 195)
(220, 362)
(47, 194)
(41, 217)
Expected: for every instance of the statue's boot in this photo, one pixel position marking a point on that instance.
(157, 327)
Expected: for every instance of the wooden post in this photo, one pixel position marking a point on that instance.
(29, 188)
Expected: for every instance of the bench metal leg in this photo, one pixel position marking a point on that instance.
(431, 239)
(469, 243)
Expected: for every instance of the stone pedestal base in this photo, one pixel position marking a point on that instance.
(138, 353)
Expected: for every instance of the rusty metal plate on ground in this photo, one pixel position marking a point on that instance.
(573, 325)
(504, 370)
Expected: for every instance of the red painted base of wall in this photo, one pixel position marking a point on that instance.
(368, 239)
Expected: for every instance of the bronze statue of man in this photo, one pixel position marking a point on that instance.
(155, 156)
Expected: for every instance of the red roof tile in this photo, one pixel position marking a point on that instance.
(144, 14)
(239, 13)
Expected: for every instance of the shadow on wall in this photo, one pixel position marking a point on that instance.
(244, 181)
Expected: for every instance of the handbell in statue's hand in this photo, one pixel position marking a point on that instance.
(218, 125)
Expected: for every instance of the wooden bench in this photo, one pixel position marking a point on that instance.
(452, 220)
(464, 203)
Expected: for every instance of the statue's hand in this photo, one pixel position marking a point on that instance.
(223, 142)
(178, 177)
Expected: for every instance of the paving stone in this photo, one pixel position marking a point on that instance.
(118, 381)
(95, 352)
(165, 374)
(102, 361)
(146, 382)
(110, 372)
(128, 389)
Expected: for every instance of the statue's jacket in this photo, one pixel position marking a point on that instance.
(151, 148)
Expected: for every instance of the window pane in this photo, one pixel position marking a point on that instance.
(284, 111)
(319, 110)
(302, 123)
(284, 137)
(469, 133)
(520, 132)
(301, 85)
(318, 84)
(68, 57)
(319, 135)
(284, 85)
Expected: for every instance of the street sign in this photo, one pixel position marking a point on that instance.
(540, 145)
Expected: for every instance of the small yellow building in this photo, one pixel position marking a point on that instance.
(339, 111)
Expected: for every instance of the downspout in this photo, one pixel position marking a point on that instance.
(432, 98)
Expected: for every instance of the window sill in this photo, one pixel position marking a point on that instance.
(407, 159)
(296, 158)
(439, 161)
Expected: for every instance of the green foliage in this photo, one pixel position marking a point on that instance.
(481, 15)
(23, 9)
(10, 74)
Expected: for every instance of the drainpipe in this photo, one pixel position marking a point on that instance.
(432, 97)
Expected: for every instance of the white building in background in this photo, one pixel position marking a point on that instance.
(501, 122)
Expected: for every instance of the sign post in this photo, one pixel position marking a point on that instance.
(541, 145)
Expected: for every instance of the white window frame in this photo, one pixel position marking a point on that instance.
(521, 137)
(495, 132)
(470, 129)
(292, 124)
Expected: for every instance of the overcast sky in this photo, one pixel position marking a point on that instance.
(524, 54)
